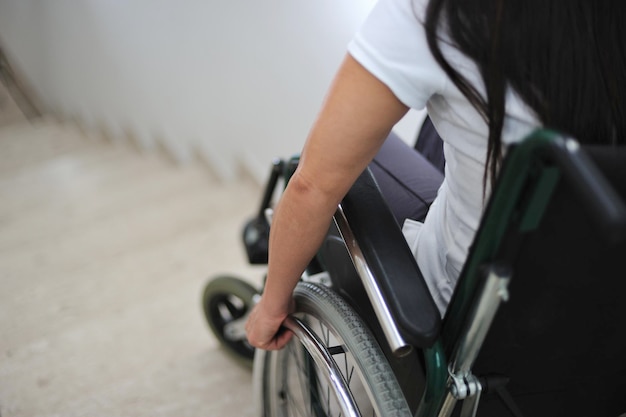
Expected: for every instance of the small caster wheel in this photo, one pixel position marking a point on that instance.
(227, 301)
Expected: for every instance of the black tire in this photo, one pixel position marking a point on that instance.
(225, 300)
(291, 386)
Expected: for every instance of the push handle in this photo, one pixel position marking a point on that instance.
(605, 206)
(275, 173)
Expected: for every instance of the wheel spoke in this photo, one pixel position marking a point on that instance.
(308, 384)
(236, 306)
(225, 312)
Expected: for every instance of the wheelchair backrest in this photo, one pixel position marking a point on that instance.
(558, 220)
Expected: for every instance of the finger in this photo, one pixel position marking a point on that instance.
(283, 337)
(279, 340)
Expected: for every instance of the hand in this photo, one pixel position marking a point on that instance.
(264, 328)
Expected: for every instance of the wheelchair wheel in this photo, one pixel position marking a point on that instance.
(227, 302)
(293, 385)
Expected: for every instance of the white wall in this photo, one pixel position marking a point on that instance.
(239, 81)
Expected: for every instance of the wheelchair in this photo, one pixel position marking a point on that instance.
(536, 325)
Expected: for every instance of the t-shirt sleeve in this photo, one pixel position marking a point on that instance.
(392, 45)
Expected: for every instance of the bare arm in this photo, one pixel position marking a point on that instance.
(355, 119)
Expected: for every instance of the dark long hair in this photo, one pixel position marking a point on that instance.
(566, 59)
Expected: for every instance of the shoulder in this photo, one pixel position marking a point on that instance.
(392, 45)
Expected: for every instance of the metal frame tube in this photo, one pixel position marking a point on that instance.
(397, 343)
(494, 291)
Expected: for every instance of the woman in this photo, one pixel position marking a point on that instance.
(489, 72)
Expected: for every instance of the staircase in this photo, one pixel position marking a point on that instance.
(104, 252)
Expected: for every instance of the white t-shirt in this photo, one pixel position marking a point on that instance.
(392, 46)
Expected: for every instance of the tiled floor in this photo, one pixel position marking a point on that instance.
(104, 253)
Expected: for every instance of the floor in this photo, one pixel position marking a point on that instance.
(104, 252)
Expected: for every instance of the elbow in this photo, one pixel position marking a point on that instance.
(301, 185)
(312, 193)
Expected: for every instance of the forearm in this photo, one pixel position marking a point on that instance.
(299, 225)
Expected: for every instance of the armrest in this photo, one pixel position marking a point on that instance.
(391, 262)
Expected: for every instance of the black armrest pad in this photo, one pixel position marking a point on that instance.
(391, 261)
